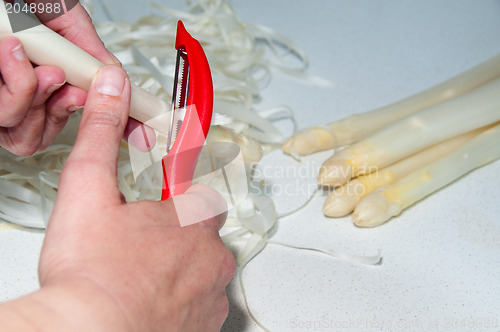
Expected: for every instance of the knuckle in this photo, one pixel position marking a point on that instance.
(11, 119)
(100, 117)
(14, 109)
(29, 151)
(28, 87)
(25, 149)
(23, 146)
(224, 311)
(57, 120)
(12, 113)
(228, 265)
(31, 83)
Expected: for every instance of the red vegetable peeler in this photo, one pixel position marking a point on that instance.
(192, 103)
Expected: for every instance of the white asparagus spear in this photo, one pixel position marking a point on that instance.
(343, 200)
(45, 47)
(359, 126)
(384, 203)
(413, 133)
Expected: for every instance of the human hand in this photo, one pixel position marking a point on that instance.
(129, 267)
(35, 103)
(110, 266)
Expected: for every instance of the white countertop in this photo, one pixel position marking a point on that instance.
(441, 257)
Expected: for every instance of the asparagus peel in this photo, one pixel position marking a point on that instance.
(386, 202)
(415, 132)
(359, 126)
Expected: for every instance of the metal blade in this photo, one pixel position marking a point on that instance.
(180, 96)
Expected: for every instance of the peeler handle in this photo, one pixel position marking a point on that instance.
(45, 47)
(180, 163)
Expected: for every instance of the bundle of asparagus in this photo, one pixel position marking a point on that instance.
(401, 153)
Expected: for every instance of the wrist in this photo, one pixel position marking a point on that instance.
(69, 306)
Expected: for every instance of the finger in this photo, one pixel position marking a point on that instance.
(29, 132)
(201, 205)
(50, 79)
(25, 138)
(139, 135)
(20, 82)
(92, 164)
(59, 108)
(67, 99)
(76, 26)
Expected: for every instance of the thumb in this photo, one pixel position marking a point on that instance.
(92, 164)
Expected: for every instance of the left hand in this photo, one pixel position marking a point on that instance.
(35, 102)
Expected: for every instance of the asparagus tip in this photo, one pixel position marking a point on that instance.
(342, 200)
(309, 141)
(374, 209)
(339, 205)
(286, 146)
(335, 172)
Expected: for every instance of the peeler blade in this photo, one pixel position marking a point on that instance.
(179, 97)
(191, 114)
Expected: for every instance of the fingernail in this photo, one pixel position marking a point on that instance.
(54, 87)
(18, 52)
(73, 109)
(110, 81)
(114, 59)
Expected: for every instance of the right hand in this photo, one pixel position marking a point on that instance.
(130, 267)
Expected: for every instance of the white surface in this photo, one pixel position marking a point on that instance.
(441, 261)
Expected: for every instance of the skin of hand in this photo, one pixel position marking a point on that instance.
(35, 102)
(110, 266)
